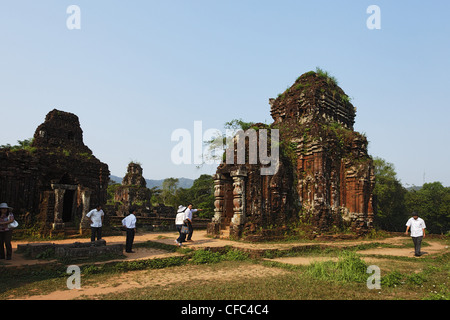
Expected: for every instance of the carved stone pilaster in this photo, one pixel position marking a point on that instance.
(219, 194)
(86, 201)
(238, 200)
(238, 219)
(58, 223)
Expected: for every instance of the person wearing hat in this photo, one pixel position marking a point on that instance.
(417, 226)
(179, 222)
(6, 217)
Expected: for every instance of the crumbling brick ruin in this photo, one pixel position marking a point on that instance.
(324, 175)
(133, 191)
(55, 181)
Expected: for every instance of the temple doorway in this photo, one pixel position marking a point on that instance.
(68, 205)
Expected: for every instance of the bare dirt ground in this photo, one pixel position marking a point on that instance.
(164, 277)
(157, 278)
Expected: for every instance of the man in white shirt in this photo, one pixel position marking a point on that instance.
(96, 216)
(189, 212)
(130, 223)
(417, 226)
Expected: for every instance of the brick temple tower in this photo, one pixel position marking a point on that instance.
(56, 181)
(324, 175)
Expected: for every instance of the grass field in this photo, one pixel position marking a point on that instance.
(336, 274)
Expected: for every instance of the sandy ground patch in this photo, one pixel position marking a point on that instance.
(433, 248)
(159, 277)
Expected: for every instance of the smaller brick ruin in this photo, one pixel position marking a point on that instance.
(133, 192)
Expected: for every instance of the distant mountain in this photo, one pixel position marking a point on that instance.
(415, 188)
(183, 182)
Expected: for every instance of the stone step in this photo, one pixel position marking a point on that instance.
(225, 232)
(71, 232)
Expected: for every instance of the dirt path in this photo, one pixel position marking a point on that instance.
(434, 248)
(202, 241)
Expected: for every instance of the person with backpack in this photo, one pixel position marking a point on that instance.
(180, 223)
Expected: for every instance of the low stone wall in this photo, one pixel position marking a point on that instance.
(70, 250)
(33, 250)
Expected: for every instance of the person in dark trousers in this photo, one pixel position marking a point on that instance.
(96, 215)
(179, 223)
(189, 212)
(129, 222)
(417, 226)
(6, 217)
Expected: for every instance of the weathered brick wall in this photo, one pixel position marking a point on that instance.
(19, 180)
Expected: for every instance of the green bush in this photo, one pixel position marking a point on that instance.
(351, 267)
(205, 256)
(392, 279)
(149, 264)
(395, 278)
(441, 293)
(348, 268)
(416, 279)
(235, 255)
(91, 269)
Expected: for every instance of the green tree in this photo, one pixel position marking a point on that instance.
(22, 145)
(389, 197)
(169, 192)
(202, 192)
(238, 124)
(432, 203)
(156, 196)
(184, 196)
(201, 195)
(215, 146)
(111, 191)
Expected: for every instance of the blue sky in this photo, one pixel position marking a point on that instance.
(138, 70)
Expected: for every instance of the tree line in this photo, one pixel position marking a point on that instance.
(201, 195)
(394, 204)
